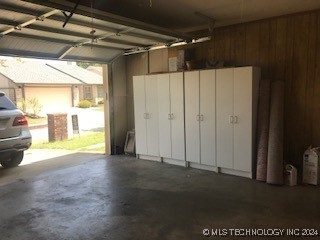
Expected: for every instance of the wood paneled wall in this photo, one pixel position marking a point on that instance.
(288, 49)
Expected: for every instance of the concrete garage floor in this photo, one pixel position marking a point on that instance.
(120, 197)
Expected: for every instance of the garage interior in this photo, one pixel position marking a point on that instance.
(121, 197)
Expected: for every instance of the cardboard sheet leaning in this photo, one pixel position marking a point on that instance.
(311, 166)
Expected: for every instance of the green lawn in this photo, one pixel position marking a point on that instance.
(99, 108)
(33, 121)
(80, 143)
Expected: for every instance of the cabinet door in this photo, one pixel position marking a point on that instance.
(152, 115)
(243, 118)
(224, 107)
(177, 111)
(192, 92)
(207, 117)
(139, 114)
(164, 111)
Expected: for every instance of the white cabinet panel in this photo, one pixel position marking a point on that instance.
(152, 115)
(243, 119)
(192, 92)
(139, 114)
(177, 111)
(164, 119)
(207, 117)
(224, 110)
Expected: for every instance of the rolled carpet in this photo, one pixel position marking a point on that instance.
(263, 130)
(275, 142)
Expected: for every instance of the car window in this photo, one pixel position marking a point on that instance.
(5, 103)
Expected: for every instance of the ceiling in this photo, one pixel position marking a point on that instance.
(193, 15)
(34, 28)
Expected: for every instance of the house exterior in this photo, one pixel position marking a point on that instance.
(92, 87)
(55, 90)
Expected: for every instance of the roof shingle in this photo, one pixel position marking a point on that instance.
(34, 73)
(79, 73)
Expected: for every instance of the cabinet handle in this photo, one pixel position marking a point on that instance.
(148, 116)
(235, 119)
(145, 116)
(231, 119)
(198, 118)
(169, 116)
(172, 116)
(201, 117)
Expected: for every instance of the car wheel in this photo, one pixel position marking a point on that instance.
(14, 160)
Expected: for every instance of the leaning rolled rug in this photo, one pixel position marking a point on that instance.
(263, 130)
(275, 142)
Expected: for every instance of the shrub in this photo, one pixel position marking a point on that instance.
(31, 107)
(101, 101)
(84, 104)
(35, 106)
(93, 103)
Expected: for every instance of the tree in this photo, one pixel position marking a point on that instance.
(3, 63)
(85, 65)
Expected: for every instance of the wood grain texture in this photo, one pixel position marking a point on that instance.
(316, 90)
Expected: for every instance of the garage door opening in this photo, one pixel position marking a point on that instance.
(64, 103)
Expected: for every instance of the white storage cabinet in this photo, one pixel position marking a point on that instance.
(200, 118)
(236, 113)
(146, 116)
(171, 118)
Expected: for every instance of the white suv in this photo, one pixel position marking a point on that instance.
(15, 136)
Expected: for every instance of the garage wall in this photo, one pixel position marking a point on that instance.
(288, 49)
(158, 61)
(137, 64)
(118, 103)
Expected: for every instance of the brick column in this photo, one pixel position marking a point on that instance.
(57, 127)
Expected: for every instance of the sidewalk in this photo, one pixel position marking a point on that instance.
(90, 120)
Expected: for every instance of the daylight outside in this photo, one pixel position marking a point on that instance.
(63, 103)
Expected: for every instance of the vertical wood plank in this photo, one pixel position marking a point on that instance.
(280, 49)
(240, 44)
(272, 48)
(288, 111)
(264, 48)
(311, 66)
(227, 46)
(252, 43)
(300, 56)
(218, 44)
(316, 90)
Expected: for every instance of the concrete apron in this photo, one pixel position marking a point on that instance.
(39, 161)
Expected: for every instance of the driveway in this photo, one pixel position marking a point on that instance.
(40, 161)
(90, 120)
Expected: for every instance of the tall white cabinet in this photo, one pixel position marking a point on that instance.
(146, 115)
(204, 119)
(236, 112)
(171, 117)
(200, 117)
